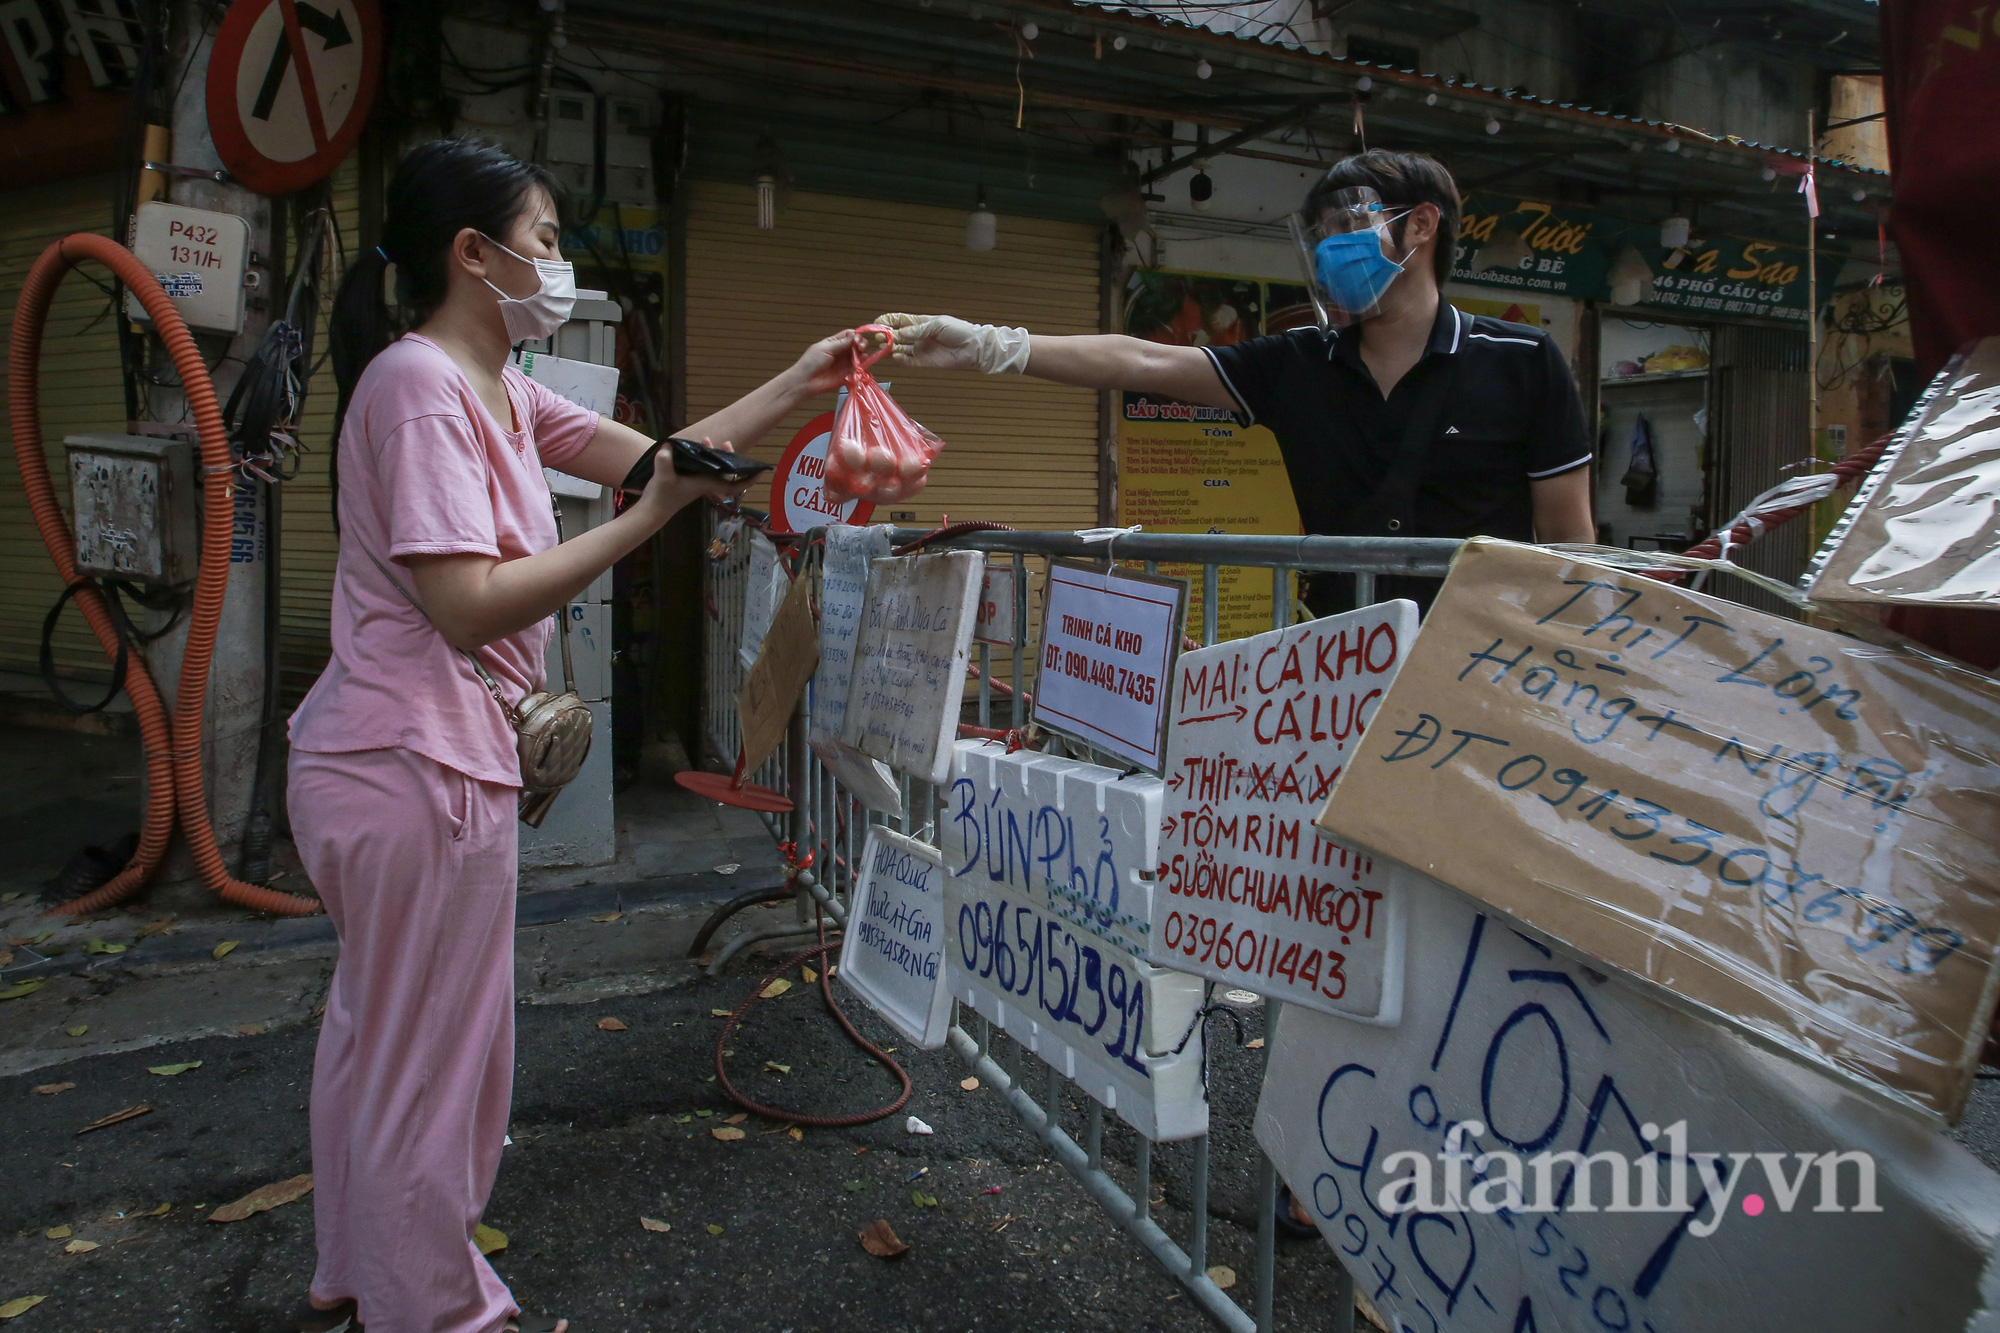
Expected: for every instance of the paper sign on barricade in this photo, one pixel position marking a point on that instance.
(1789, 831)
(764, 586)
(894, 949)
(1048, 909)
(998, 609)
(1250, 893)
(843, 589)
(909, 661)
(1649, 1172)
(1109, 642)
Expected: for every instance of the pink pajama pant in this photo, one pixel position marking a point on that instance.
(417, 864)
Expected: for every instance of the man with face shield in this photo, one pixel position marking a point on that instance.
(1398, 415)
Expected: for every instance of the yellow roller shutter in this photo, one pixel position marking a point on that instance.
(81, 390)
(1019, 451)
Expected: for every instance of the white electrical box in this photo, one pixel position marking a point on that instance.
(628, 151)
(572, 140)
(200, 259)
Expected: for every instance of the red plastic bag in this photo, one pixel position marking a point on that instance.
(877, 453)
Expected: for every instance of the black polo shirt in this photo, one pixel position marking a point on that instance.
(1516, 419)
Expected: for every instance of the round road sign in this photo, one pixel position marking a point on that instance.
(289, 87)
(798, 486)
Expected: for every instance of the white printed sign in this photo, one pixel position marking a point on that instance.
(1250, 893)
(1108, 647)
(1746, 1180)
(584, 383)
(893, 953)
(764, 586)
(1047, 910)
(843, 587)
(910, 660)
(998, 610)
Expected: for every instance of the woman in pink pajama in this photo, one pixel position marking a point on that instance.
(404, 772)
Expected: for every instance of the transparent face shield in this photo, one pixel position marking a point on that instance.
(1343, 252)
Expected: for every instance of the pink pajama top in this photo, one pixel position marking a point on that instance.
(426, 470)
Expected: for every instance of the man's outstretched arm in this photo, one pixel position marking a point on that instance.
(1091, 360)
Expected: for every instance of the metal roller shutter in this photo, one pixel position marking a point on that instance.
(81, 390)
(1019, 451)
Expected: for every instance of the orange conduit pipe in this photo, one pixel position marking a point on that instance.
(173, 745)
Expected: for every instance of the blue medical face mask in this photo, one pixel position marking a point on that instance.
(1353, 272)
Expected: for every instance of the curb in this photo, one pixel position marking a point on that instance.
(539, 907)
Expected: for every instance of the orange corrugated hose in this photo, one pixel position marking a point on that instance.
(173, 745)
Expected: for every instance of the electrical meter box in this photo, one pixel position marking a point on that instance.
(134, 501)
(199, 258)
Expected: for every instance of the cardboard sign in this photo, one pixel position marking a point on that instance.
(1109, 642)
(998, 616)
(893, 952)
(1508, 1049)
(1789, 831)
(771, 691)
(764, 586)
(1048, 909)
(843, 587)
(1249, 892)
(910, 659)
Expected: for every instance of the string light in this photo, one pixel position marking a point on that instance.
(1203, 69)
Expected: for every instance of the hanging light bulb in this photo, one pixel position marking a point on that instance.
(1363, 84)
(1030, 31)
(1674, 233)
(767, 201)
(1203, 69)
(1430, 99)
(1492, 126)
(1860, 196)
(1201, 190)
(1673, 145)
(1631, 280)
(769, 165)
(1118, 42)
(982, 229)
(1769, 173)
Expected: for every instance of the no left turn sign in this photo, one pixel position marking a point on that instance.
(289, 87)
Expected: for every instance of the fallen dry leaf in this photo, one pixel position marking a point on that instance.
(923, 1200)
(222, 950)
(881, 1240)
(654, 1224)
(78, 1030)
(99, 946)
(1004, 1223)
(704, 1113)
(610, 1025)
(773, 1067)
(161, 1211)
(80, 1247)
(729, 867)
(115, 1117)
(51, 1089)
(264, 1197)
(164, 926)
(251, 1029)
(720, 1013)
(776, 988)
(714, 1230)
(58, 1233)
(736, 1119)
(1255, 1045)
(810, 975)
(489, 1239)
(1223, 1276)
(169, 1071)
(19, 1306)
(727, 1133)
(796, 1134)
(20, 989)
(607, 916)
(969, 1084)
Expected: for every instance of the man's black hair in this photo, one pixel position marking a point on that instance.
(1403, 180)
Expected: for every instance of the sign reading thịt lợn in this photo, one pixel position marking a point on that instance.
(1789, 831)
(1249, 893)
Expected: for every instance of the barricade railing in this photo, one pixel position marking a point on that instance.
(829, 824)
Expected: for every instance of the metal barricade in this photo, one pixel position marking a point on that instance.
(831, 825)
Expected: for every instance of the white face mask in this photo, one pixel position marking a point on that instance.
(529, 318)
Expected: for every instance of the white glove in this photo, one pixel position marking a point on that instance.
(942, 342)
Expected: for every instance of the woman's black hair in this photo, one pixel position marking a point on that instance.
(439, 189)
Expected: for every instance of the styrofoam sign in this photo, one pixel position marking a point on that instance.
(843, 587)
(893, 953)
(1109, 642)
(798, 484)
(1250, 893)
(1048, 905)
(998, 609)
(1538, 1149)
(910, 657)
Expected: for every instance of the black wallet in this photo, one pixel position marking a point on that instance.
(693, 460)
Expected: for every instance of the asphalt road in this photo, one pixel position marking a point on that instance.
(609, 1127)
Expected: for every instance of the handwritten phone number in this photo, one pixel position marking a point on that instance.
(1134, 685)
(1036, 956)
(1881, 922)
(1252, 952)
